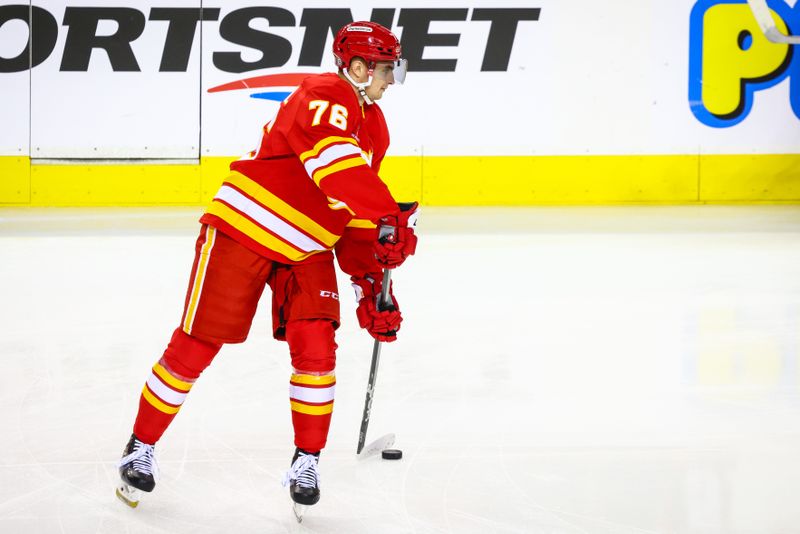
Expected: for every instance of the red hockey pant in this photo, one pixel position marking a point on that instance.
(226, 284)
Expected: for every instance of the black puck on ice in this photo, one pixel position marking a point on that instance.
(391, 454)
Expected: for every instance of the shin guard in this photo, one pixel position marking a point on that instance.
(313, 383)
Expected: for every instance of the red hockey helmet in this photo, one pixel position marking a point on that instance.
(371, 42)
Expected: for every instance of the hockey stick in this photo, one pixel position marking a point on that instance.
(763, 16)
(373, 375)
(379, 445)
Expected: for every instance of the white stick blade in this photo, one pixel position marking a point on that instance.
(383, 442)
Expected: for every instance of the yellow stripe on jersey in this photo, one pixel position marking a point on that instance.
(312, 410)
(165, 375)
(361, 223)
(255, 232)
(199, 277)
(157, 404)
(283, 209)
(313, 380)
(349, 163)
(322, 144)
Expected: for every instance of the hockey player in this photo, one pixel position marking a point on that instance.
(310, 188)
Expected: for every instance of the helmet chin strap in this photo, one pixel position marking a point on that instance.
(362, 87)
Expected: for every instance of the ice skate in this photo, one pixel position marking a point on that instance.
(138, 471)
(303, 481)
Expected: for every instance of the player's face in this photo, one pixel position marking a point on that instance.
(382, 77)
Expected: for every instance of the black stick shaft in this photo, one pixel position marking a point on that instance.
(373, 370)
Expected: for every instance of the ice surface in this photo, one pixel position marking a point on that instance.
(559, 370)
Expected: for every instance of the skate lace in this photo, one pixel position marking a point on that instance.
(304, 471)
(143, 458)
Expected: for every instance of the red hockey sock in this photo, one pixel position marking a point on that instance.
(312, 385)
(169, 382)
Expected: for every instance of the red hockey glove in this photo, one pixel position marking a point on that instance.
(396, 239)
(382, 322)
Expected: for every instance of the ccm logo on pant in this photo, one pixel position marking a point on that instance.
(329, 294)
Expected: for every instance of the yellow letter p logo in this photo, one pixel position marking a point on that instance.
(731, 59)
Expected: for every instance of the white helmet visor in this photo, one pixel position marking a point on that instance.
(400, 69)
(397, 74)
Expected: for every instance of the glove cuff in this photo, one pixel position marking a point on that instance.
(368, 286)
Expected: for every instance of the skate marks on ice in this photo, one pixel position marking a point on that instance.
(656, 390)
(477, 490)
(434, 490)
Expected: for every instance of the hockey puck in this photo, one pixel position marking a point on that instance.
(391, 454)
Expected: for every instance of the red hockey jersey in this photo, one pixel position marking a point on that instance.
(314, 174)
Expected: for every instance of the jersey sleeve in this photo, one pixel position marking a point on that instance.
(322, 137)
(354, 251)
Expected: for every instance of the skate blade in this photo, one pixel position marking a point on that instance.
(299, 510)
(383, 442)
(128, 495)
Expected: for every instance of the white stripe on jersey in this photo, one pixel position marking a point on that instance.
(331, 153)
(268, 220)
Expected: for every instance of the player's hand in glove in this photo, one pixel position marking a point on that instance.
(396, 239)
(382, 322)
